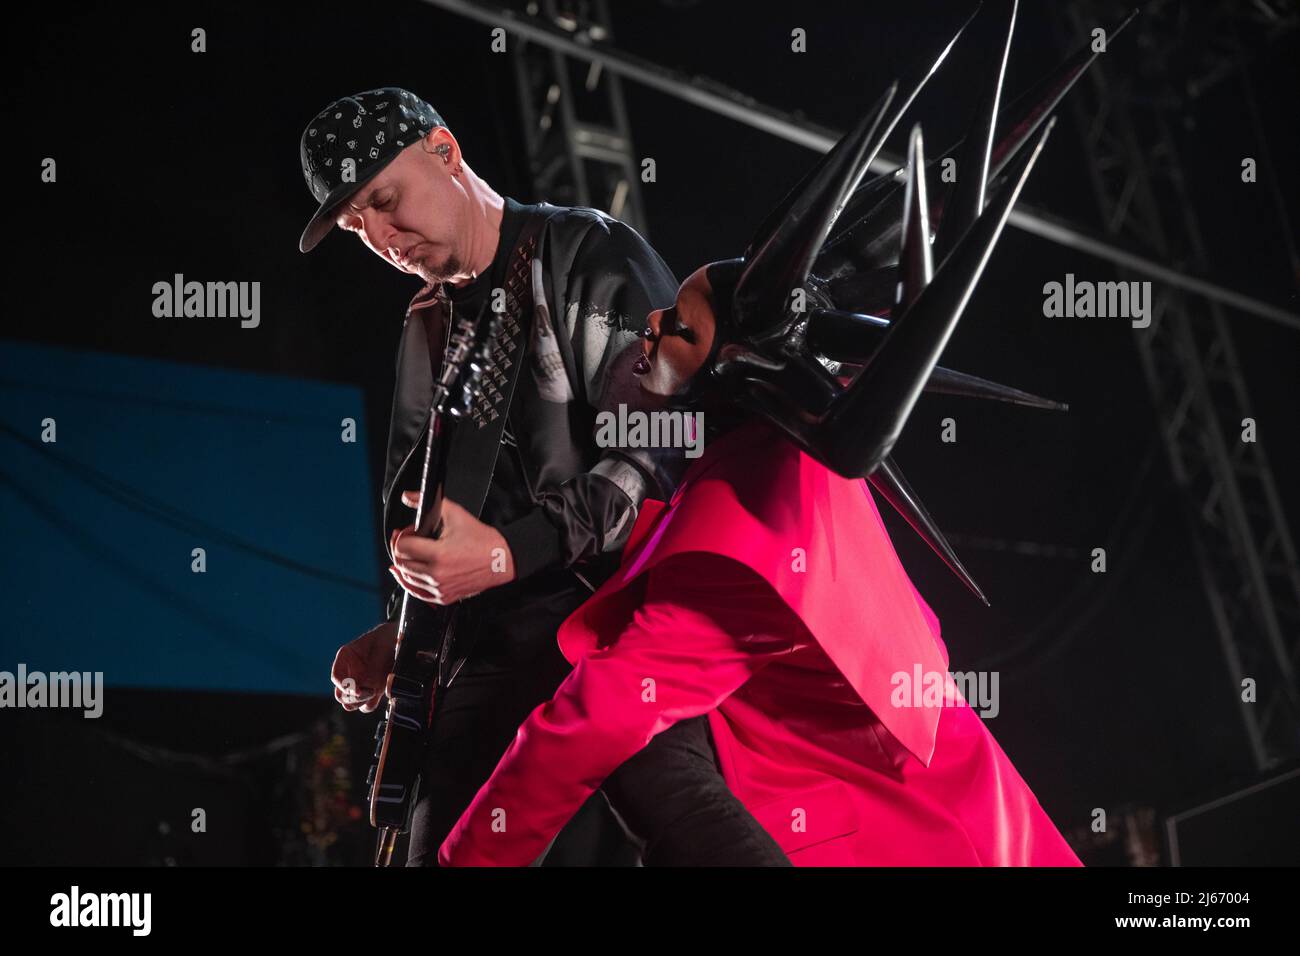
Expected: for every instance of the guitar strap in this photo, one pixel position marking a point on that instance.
(477, 442)
(472, 456)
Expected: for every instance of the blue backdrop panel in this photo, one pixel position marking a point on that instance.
(153, 460)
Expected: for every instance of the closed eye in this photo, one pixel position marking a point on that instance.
(671, 324)
(372, 201)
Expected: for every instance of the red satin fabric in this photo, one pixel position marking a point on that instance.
(767, 595)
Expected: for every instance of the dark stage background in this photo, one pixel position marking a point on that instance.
(1115, 693)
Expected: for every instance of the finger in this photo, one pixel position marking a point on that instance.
(343, 666)
(347, 704)
(420, 579)
(397, 533)
(453, 516)
(345, 678)
(421, 571)
(424, 590)
(411, 498)
(429, 593)
(402, 579)
(413, 546)
(348, 691)
(393, 539)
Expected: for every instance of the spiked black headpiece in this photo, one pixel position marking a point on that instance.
(813, 301)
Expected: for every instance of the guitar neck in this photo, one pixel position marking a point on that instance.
(433, 478)
(450, 390)
(432, 621)
(425, 632)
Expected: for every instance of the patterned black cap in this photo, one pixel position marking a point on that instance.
(350, 142)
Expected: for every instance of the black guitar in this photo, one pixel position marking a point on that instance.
(424, 631)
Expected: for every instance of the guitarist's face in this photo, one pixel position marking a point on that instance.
(415, 215)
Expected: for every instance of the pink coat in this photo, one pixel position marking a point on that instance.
(768, 596)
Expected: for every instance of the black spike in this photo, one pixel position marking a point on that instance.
(915, 266)
(778, 260)
(863, 237)
(966, 201)
(782, 210)
(889, 481)
(781, 255)
(946, 381)
(864, 421)
(845, 336)
(852, 338)
(1027, 113)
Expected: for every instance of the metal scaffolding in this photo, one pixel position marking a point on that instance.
(576, 132)
(591, 47)
(1243, 547)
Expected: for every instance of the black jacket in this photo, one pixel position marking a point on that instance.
(564, 506)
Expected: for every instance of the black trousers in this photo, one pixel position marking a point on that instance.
(670, 803)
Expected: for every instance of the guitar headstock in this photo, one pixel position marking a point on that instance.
(463, 364)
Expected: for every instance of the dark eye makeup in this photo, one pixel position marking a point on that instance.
(671, 324)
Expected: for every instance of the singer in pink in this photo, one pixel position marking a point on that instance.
(767, 594)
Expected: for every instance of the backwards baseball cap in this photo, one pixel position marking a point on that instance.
(351, 141)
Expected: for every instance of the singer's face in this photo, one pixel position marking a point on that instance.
(678, 339)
